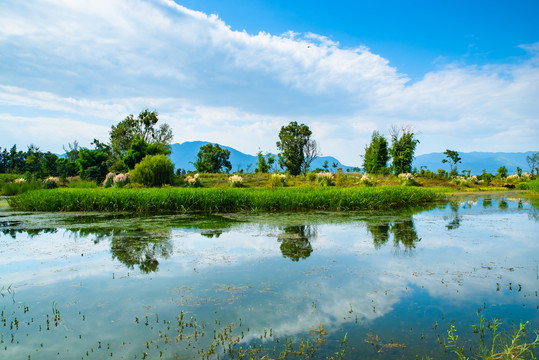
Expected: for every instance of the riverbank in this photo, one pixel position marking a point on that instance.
(224, 200)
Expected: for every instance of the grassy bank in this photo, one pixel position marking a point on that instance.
(223, 200)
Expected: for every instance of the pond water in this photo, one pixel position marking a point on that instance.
(351, 285)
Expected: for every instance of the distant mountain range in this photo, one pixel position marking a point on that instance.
(185, 154)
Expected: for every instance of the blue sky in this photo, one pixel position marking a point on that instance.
(463, 74)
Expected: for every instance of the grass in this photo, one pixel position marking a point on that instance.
(533, 186)
(9, 189)
(223, 200)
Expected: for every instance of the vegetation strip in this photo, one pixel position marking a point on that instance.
(223, 200)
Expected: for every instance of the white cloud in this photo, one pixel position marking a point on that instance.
(95, 62)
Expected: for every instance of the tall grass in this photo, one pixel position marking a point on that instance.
(222, 200)
(9, 189)
(533, 186)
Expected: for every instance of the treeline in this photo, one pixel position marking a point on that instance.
(140, 147)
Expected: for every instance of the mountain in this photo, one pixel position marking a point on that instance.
(184, 154)
(477, 161)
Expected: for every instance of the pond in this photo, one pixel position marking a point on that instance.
(307, 285)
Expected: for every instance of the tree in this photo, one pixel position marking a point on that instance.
(93, 163)
(122, 135)
(292, 141)
(264, 163)
(139, 148)
(212, 159)
(402, 149)
(376, 154)
(311, 152)
(453, 159)
(532, 161)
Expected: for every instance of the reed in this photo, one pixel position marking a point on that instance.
(223, 200)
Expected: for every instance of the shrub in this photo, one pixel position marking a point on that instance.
(50, 183)
(325, 179)
(311, 176)
(153, 170)
(367, 180)
(407, 179)
(108, 180)
(121, 180)
(235, 181)
(277, 180)
(194, 181)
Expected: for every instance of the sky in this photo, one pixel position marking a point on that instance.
(464, 75)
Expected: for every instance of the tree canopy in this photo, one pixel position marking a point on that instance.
(293, 139)
(403, 144)
(213, 159)
(376, 154)
(143, 126)
(453, 159)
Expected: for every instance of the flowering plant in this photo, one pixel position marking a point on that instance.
(235, 181)
(194, 181)
(325, 179)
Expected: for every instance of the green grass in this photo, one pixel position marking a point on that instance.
(533, 186)
(223, 200)
(82, 184)
(9, 189)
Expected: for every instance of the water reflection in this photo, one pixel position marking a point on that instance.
(141, 248)
(403, 231)
(296, 241)
(454, 222)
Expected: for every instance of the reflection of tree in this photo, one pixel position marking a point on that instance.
(379, 232)
(295, 241)
(141, 248)
(454, 223)
(502, 204)
(487, 203)
(12, 228)
(404, 233)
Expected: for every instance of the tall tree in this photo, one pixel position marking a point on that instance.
(144, 126)
(292, 141)
(213, 159)
(532, 161)
(453, 159)
(140, 148)
(376, 154)
(403, 144)
(311, 152)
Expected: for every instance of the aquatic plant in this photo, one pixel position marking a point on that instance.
(492, 343)
(223, 200)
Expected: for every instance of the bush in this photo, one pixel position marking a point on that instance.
(311, 176)
(194, 181)
(325, 179)
(50, 183)
(235, 181)
(277, 180)
(108, 180)
(153, 170)
(407, 179)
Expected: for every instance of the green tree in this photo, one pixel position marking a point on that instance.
(139, 149)
(502, 172)
(292, 141)
(93, 164)
(264, 162)
(403, 144)
(213, 159)
(144, 126)
(153, 170)
(532, 161)
(376, 154)
(453, 159)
